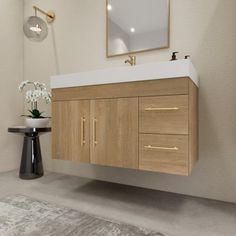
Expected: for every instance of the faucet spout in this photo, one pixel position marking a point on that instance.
(131, 61)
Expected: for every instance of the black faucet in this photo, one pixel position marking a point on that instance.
(174, 57)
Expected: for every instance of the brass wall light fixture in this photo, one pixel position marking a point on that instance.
(35, 28)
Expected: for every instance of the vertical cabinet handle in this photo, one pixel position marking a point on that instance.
(95, 142)
(82, 138)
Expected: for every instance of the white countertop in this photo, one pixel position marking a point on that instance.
(150, 71)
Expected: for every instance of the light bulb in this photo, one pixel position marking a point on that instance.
(36, 29)
(109, 7)
(132, 30)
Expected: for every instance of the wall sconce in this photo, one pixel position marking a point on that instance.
(35, 28)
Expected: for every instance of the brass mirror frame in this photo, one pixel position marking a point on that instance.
(139, 51)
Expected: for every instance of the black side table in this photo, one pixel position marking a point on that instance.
(31, 160)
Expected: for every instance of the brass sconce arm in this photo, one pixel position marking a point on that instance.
(50, 15)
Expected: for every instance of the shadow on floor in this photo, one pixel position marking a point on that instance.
(132, 195)
(149, 198)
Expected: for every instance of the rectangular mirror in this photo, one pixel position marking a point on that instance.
(136, 26)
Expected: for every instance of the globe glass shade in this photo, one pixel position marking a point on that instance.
(35, 29)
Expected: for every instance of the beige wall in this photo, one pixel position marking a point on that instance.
(205, 29)
(11, 74)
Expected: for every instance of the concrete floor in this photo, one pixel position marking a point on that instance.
(169, 213)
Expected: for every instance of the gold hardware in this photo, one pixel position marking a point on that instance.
(162, 148)
(161, 109)
(131, 61)
(50, 15)
(82, 123)
(95, 142)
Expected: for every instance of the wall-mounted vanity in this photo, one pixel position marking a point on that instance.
(143, 117)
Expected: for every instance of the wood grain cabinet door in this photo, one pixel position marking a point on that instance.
(70, 130)
(114, 132)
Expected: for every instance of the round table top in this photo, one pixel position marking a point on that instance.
(23, 129)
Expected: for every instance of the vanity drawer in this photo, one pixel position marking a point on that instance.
(164, 153)
(164, 114)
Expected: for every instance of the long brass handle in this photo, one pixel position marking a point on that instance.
(162, 148)
(161, 108)
(82, 138)
(95, 142)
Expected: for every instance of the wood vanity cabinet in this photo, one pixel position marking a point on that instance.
(147, 125)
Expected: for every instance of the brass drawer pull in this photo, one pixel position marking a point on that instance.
(95, 142)
(82, 126)
(162, 148)
(161, 109)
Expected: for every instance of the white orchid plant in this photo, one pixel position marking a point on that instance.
(32, 96)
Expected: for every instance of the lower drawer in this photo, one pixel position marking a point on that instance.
(164, 153)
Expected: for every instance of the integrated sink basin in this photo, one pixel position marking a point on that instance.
(150, 71)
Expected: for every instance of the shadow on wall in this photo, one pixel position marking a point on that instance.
(55, 50)
(216, 58)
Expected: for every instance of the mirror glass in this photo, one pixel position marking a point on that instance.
(137, 25)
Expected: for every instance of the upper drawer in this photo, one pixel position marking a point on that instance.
(164, 114)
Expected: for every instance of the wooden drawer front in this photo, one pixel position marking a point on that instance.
(123, 90)
(164, 114)
(164, 153)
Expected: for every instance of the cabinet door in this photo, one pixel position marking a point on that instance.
(114, 132)
(70, 130)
